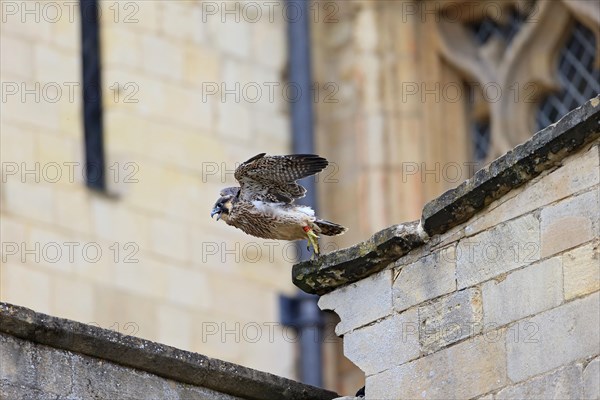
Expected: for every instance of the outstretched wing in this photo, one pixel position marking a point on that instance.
(273, 178)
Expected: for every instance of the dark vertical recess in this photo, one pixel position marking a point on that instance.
(302, 311)
(92, 95)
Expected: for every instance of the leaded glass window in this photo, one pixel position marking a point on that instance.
(578, 76)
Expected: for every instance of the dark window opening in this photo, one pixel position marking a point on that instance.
(577, 76)
(481, 138)
(484, 29)
(92, 95)
(479, 124)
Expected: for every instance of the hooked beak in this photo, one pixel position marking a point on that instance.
(217, 211)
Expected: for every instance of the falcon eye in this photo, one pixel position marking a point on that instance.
(219, 204)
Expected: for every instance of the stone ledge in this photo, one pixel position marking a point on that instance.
(338, 268)
(155, 358)
(544, 151)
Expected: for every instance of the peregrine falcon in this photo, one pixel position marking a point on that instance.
(263, 205)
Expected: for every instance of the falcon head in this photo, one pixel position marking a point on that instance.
(222, 207)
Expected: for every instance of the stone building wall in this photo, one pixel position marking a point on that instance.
(392, 147)
(426, 92)
(494, 294)
(506, 303)
(169, 149)
(44, 357)
(394, 151)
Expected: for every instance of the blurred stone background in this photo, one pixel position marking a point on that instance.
(404, 110)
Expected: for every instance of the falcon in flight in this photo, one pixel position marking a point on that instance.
(263, 205)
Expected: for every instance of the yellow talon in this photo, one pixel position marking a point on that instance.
(313, 240)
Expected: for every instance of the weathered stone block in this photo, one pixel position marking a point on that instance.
(513, 169)
(469, 369)
(347, 302)
(570, 223)
(10, 390)
(560, 336)
(385, 344)
(501, 249)
(581, 270)
(450, 319)
(76, 361)
(38, 367)
(54, 371)
(425, 279)
(352, 264)
(199, 393)
(525, 292)
(98, 379)
(591, 380)
(564, 383)
(578, 172)
(16, 360)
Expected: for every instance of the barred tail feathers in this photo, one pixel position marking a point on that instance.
(329, 228)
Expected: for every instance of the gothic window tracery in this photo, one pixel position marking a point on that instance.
(487, 27)
(541, 57)
(578, 76)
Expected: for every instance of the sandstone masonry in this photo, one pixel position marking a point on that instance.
(500, 298)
